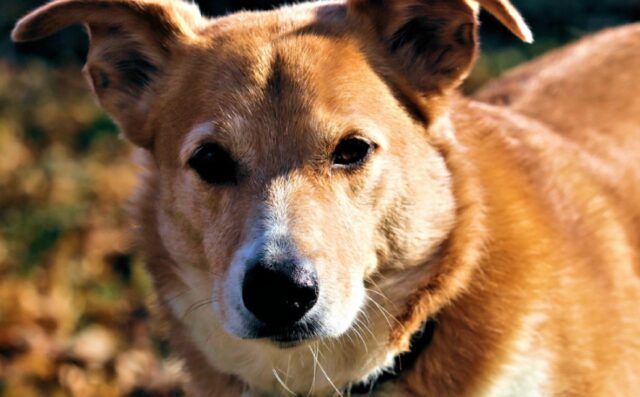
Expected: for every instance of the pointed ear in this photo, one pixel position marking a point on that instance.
(434, 43)
(131, 43)
(506, 13)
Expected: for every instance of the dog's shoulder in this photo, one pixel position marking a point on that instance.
(581, 100)
(590, 85)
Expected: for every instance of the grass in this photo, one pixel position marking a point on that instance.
(74, 301)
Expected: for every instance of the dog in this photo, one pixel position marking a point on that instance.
(323, 213)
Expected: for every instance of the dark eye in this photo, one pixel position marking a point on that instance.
(352, 152)
(214, 165)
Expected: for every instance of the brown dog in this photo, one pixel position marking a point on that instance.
(319, 199)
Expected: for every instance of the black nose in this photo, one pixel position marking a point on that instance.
(279, 294)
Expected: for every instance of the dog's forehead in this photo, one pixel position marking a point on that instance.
(281, 57)
(273, 84)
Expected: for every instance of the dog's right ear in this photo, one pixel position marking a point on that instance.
(131, 42)
(433, 43)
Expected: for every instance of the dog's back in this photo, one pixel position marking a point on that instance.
(586, 91)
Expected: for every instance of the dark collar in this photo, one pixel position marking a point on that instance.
(420, 341)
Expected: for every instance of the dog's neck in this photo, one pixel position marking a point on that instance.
(420, 342)
(460, 255)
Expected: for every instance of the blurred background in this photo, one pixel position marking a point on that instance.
(75, 302)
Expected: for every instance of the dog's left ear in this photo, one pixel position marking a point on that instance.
(132, 41)
(434, 43)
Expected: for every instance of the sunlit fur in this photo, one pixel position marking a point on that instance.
(515, 225)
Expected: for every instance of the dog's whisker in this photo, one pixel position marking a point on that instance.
(351, 340)
(378, 292)
(366, 328)
(281, 382)
(379, 307)
(363, 312)
(386, 314)
(359, 325)
(315, 365)
(363, 317)
(196, 306)
(326, 375)
(288, 367)
(178, 295)
(359, 335)
(378, 289)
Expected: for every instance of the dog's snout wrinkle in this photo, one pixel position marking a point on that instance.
(279, 294)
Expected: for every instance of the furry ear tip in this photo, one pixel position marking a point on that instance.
(27, 29)
(20, 33)
(520, 28)
(526, 34)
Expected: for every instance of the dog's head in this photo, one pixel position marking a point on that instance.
(301, 185)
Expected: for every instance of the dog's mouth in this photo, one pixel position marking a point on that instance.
(285, 344)
(287, 337)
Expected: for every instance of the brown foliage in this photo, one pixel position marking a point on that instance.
(74, 303)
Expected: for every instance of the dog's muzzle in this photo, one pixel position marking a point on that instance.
(279, 295)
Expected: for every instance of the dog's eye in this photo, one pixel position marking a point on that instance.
(352, 152)
(214, 165)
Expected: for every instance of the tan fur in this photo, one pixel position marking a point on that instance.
(516, 227)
